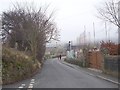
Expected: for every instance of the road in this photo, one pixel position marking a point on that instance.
(55, 74)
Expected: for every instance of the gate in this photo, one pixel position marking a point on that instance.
(95, 59)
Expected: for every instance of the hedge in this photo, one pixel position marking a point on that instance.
(17, 66)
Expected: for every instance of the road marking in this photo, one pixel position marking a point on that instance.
(23, 85)
(32, 79)
(20, 87)
(31, 84)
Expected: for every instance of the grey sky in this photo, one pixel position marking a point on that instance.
(71, 16)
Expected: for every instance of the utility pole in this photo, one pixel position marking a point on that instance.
(94, 32)
(89, 39)
(84, 35)
(81, 39)
(109, 35)
(106, 31)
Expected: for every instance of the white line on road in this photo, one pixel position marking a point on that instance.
(31, 83)
(32, 79)
(30, 86)
(22, 85)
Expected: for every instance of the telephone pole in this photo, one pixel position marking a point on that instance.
(84, 35)
(89, 39)
(106, 31)
(94, 32)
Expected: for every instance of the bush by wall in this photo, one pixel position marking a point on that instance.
(17, 66)
(76, 62)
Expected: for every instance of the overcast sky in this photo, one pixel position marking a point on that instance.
(71, 16)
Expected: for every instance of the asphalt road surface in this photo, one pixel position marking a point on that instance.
(55, 74)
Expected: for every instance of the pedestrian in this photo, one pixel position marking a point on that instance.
(60, 56)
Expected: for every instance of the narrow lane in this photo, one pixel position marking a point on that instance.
(55, 74)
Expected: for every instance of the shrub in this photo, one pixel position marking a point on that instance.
(16, 65)
(73, 61)
(47, 56)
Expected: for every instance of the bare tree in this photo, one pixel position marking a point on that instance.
(30, 28)
(109, 12)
